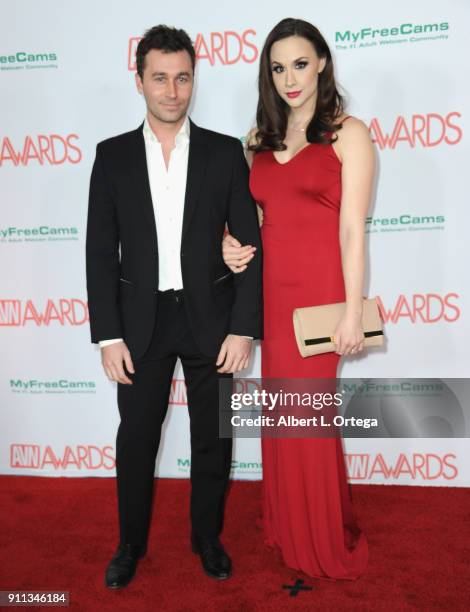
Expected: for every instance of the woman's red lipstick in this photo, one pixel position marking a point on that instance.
(293, 94)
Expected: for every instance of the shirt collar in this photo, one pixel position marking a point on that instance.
(181, 138)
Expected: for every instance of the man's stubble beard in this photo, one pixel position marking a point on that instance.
(171, 119)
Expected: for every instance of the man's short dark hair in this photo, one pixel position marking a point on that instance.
(166, 39)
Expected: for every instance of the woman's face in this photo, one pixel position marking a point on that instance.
(295, 67)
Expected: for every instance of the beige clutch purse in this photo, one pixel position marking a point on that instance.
(314, 326)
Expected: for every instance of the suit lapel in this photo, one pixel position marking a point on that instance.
(197, 162)
(143, 195)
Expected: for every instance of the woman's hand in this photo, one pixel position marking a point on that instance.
(236, 256)
(349, 335)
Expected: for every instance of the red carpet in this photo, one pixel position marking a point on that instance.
(58, 534)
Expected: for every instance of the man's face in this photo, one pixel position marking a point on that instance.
(167, 84)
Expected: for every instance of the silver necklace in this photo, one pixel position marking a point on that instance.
(297, 129)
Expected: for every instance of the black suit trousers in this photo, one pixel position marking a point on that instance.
(143, 406)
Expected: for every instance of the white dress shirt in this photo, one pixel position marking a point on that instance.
(168, 189)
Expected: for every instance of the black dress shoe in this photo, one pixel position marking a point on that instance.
(122, 566)
(215, 561)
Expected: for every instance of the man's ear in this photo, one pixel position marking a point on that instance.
(138, 83)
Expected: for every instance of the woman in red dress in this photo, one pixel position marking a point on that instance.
(312, 170)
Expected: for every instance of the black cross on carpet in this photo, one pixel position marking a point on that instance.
(297, 587)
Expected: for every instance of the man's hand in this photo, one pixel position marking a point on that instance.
(112, 358)
(234, 354)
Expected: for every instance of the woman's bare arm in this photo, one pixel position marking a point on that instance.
(236, 256)
(356, 152)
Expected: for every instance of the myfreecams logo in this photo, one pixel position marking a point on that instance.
(24, 60)
(40, 233)
(238, 467)
(405, 223)
(59, 386)
(396, 34)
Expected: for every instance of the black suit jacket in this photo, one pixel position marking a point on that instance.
(122, 250)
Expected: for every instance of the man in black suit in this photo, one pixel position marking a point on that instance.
(172, 184)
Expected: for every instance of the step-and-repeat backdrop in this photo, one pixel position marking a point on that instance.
(67, 82)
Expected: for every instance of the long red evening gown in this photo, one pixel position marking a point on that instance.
(307, 509)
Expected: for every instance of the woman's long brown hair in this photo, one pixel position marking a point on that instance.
(272, 111)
